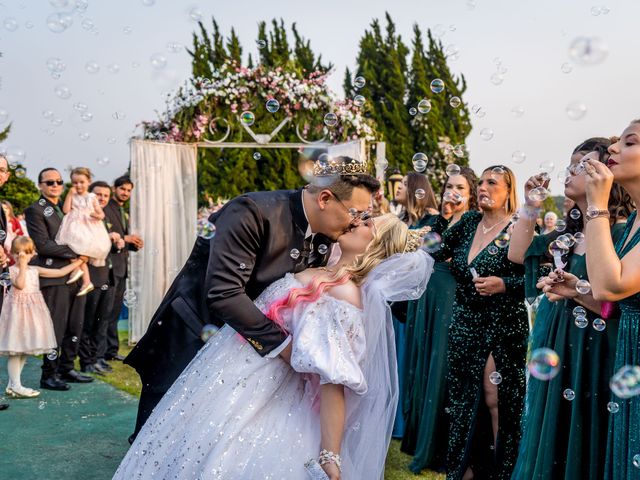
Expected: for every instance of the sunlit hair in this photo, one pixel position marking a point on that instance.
(81, 171)
(510, 180)
(416, 208)
(22, 244)
(8, 209)
(390, 236)
(472, 181)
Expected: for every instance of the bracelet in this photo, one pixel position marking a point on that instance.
(593, 212)
(329, 457)
(529, 212)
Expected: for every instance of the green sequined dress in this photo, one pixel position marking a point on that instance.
(428, 320)
(481, 326)
(557, 428)
(623, 442)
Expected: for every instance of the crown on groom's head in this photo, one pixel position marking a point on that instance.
(326, 166)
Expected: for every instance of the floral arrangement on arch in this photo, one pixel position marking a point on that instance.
(233, 90)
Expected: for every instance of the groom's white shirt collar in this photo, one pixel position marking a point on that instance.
(308, 233)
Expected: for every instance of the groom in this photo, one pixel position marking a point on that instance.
(259, 237)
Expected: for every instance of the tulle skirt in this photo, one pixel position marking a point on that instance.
(85, 236)
(25, 325)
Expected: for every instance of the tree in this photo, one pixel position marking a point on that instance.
(19, 190)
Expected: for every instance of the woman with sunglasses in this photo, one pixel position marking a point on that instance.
(428, 320)
(567, 394)
(487, 336)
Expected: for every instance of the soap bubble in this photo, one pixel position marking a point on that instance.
(257, 156)
(583, 287)
(20, 172)
(208, 331)
(87, 24)
(486, 134)
(455, 102)
(613, 407)
(359, 82)
(80, 107)
(496, 78)
(502, 240)
(148, 3)
(195, 14)
(84, 136)
(576, 110)
(294, 253)
(575, 213)
(636, 460)
(5, 278)
(492, 250)
(431, 242)
(10, 24)
(158, 61)
(579, 238)
(498, 170)
(452, 197)
(460, 150)
(102, 161)
(424, 106)
(452, 52)
(517, 111)
(420, 193)
(588, 50)
(581, 321)
(48, 211)
(127, 30)
(330, 119)
(569, 394)
(561, 225)
(538, 194)
(413, 111)
(58, 22)
(92, 67)
(478, 111)
(518, 157)
(495, 378)
(420, 161)
(130, 298)
(261, 44)
(358, 100)
(544, 364)
(52, 355)
(437, 85)
(566, 67)
(452, 169)
(205, 229)
(86, 116)
(322, 249)
(626, 381)
(63, 92)
(113, 68)
(247, 118)
(579, 311)
(599, 324)
(272, 105)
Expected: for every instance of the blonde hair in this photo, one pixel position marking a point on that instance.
(510, 180)
(22, 244)
(81, 171)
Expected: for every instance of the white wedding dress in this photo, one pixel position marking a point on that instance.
(233, 414)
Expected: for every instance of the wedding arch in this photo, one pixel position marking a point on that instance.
(164, 161)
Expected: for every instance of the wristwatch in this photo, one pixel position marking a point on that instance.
(593, 212)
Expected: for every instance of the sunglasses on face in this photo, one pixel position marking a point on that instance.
(51, 183)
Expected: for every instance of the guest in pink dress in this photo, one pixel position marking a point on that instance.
(82, 227)
(26, 327)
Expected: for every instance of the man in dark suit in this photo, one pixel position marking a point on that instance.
(118, 221)
(99, 301)
(5, 173)
(258, 238)
(44, 218)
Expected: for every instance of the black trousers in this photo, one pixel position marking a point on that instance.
(67, 313)
(108, 347)
(148, 401)
(96, 313)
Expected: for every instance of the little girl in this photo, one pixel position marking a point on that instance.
(82, 228)
(25, 322)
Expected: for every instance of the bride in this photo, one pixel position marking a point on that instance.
(233, 414)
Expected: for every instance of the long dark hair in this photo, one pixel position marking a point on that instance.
(416, 208)
(472, 179)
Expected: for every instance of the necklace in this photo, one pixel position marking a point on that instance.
(486, 230)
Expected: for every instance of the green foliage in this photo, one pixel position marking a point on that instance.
(5, 133)
(19, 191)
(393, 87)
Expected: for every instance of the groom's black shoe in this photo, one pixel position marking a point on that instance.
(53, 383)
(4, 406)
(75, 377)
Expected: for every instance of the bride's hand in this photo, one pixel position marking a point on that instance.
(332, 471)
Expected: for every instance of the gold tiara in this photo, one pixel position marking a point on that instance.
(415, 238)
(337, 166)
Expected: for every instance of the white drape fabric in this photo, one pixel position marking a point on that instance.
(164, 213)
(355, 149)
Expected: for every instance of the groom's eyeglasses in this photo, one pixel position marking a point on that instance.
(353, 213)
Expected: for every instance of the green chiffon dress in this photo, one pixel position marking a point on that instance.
(481, 326)
(623, 442)
(563, 434)
(427, 327)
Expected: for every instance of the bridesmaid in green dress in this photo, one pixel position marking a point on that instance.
(427, 329)
(487, 336)
(566, 417)
(615, 277)
(419, 206)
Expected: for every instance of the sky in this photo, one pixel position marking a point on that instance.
(529, 41)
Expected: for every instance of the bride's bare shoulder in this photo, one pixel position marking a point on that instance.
(349, 292)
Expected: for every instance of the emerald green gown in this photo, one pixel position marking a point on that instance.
(623, 442)
(481, 326)
(563, 439)
(427, 327)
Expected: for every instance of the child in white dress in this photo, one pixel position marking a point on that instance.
(82, 228)
(25, 322)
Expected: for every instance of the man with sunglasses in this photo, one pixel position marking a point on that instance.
(44, 218)
(259, 237)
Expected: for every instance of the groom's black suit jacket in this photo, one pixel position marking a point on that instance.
(255, 235)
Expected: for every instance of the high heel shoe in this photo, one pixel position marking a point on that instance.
(85, 290)
(75, 277)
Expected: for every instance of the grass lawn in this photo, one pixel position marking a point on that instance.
(125, 378)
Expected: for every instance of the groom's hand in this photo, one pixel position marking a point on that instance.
(286, 353)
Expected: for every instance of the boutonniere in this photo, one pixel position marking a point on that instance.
(109, 225)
